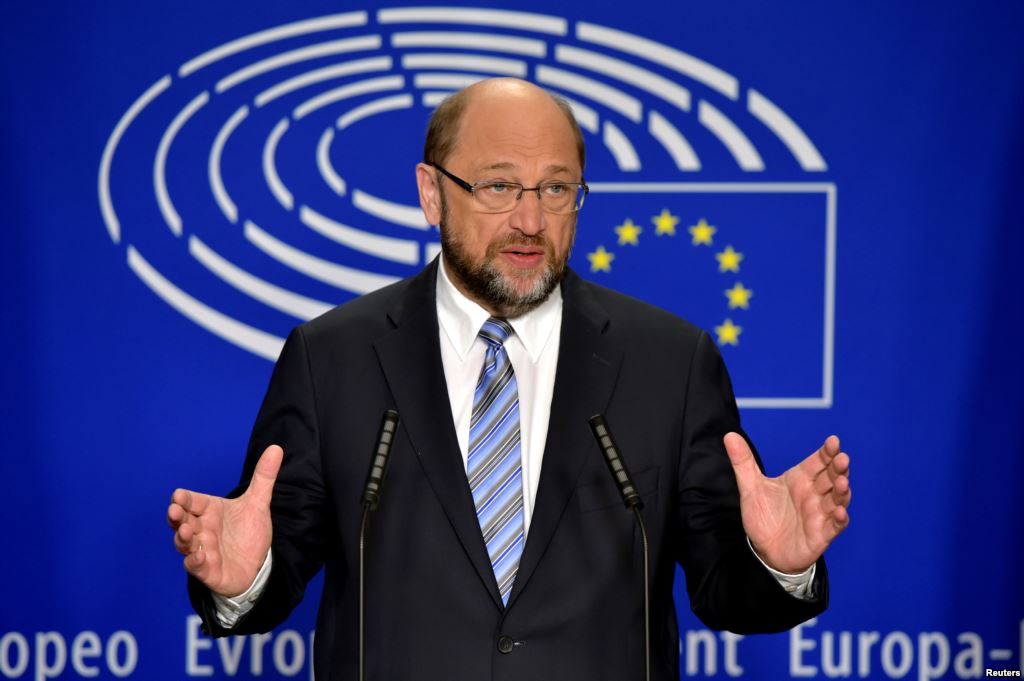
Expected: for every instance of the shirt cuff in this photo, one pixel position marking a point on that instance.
(230, 610)
(798, 585)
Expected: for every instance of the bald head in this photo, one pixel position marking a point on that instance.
(492, 106)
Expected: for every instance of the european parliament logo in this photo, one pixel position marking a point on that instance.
(269, 178)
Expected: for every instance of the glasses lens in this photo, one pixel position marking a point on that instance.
(558, 197)
(555, 197)
(497, 196)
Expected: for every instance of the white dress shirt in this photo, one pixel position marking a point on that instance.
(533, 351)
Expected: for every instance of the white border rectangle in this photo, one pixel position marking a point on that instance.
(824, 401)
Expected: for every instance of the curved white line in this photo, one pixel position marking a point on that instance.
(373, 108)
(244, 336)
(431, 251)
(541, 23)
(344, 46)
(103, 188)
(389, 211)
(404, 251)
(731, 136)
(319, 75)
(465, 62)
(452, 81)
(163, 198)
(227, 206)
(684, 63)
(432, 100)
(277, 187)
(491, 42)
(626, 72)
(361, 87)
(621, 148)
(345, 278)
(276, 297)
(323, 162)
(585, 116)
(613, 98)
(270, 35)
(789, 132)
(678, 148)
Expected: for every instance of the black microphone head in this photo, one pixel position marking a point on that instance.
(379, 462)
(610, 451)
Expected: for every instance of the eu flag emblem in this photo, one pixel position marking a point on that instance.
(751, 263)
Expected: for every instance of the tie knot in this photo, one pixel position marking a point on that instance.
(496, 331)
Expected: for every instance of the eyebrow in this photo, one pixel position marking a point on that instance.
(550, 170)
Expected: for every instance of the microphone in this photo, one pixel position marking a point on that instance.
(379, 463)
(631, 498)
(370, 500)
(610, 450)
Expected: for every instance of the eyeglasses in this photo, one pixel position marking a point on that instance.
(498, 196)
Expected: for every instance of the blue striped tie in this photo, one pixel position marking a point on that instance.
(494, 465)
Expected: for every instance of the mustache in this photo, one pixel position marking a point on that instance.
(513, 239)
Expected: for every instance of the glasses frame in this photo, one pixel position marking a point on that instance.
(471, 188)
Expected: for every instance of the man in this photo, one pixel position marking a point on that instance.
(515, 559)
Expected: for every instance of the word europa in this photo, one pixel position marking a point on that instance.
(840, 655)
(289, 652)
(48, 657)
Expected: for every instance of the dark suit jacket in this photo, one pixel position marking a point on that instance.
(575, 611)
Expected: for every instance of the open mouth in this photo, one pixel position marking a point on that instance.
(523, 256)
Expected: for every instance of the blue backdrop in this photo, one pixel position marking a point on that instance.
(832, 189)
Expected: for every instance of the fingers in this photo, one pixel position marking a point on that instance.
(261, 487)
(192, 502)
(184, 519)
(837, 497)
(834, 516)
(197, 547)
(826, 479)
(743, 463)
(836, 522)
(185, 532)
(814, 464)
(175, 515)
(196, 562)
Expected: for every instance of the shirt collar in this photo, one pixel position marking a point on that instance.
(461, 318)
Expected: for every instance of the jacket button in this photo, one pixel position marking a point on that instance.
(505, 645)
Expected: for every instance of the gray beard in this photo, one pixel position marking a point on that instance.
(485, 284)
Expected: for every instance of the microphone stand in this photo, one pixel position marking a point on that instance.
(370, 501)
(631, 498)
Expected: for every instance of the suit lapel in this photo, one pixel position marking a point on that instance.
(410, 356)
(587, 369)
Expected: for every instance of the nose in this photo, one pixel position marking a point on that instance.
(528, 217)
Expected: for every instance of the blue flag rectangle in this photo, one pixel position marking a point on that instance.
(752, 263)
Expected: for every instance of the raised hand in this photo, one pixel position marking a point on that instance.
(792, 519)
(225, 541)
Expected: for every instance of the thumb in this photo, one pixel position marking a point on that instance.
(261, 487)
(743, 463)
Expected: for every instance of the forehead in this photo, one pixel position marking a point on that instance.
(518, 129)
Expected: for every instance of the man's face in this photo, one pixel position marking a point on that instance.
(507, 262)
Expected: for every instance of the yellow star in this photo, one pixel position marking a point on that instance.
(702, 233)
(729, 260)
(600, 260)
(665, 223)
(728, 333)
(738, 296)
(628, 233)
